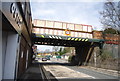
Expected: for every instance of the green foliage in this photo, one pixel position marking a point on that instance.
(62, 52)
(56, 53)
(111, 31)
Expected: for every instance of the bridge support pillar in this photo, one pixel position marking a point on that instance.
(83, 54)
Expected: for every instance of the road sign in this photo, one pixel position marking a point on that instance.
(67, 32)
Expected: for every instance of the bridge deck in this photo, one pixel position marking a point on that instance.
(57, 40)
(67, 38)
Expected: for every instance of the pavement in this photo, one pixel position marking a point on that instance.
(32, 73)
(67, 72)
(95, 73)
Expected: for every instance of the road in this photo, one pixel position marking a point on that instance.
(62, 70)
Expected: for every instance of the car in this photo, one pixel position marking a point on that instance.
(44, 59)
(47, 57)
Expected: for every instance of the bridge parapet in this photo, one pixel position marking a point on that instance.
(62, 28)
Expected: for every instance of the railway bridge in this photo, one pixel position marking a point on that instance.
(56, 33)
(19, 33)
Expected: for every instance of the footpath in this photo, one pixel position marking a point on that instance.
(32, 73)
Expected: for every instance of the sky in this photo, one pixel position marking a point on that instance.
(44, 48)
(73, 12)
(79, 12)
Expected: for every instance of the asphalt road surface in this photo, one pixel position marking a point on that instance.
(63, 64)
(95, 74)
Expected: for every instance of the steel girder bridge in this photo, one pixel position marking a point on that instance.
(51, 33)
(84, 46)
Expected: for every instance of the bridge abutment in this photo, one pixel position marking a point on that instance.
(83, 54)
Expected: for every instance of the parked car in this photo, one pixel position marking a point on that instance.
(44, 59)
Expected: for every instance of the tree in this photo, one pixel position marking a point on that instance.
(62, 51)
(110, 16)
(56, 49)
(110, 31)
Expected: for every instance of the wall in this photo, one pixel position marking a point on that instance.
(0, 46)
(13, 14)
(10, 56)
(97, 35)
(23, 59)
(107, 57)
(4, 45)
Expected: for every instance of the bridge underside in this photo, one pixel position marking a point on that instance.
(58, 42)
(83, 46)
(67, 41)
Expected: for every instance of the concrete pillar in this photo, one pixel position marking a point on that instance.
(10, 57)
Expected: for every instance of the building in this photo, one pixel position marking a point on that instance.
(16, 38)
